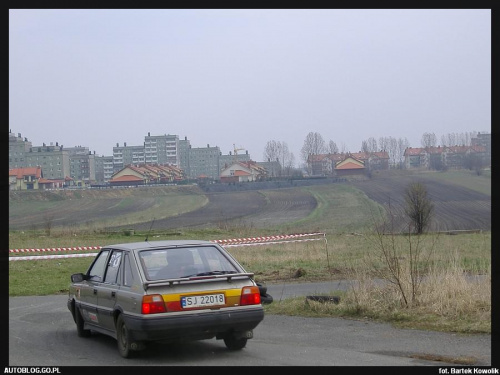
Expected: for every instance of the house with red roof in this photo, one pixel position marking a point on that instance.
(31, 178)
(147, 174)
(350, 166)
(25, 178)
(347, 163)
(243, 171)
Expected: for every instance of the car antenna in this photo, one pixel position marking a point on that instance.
(147, 235)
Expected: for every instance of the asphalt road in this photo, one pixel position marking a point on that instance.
(42, 333)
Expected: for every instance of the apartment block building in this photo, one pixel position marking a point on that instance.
(18, 147)
(82, 165)
(161, 149)
(85, 168)
(203, 162)
(54, 160)
(126, 155)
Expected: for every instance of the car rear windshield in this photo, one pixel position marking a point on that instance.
(169, 263)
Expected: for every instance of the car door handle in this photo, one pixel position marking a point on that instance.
(95, 291)
(113, 294)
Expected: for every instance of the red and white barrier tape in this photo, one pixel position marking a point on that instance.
(55, 249)
(251, 241)
(266, 239)
(272, 243)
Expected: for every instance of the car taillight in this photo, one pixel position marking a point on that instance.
(250, 295)
(153, 304)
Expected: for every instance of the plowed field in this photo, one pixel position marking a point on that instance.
(455, 207)
(256, 209)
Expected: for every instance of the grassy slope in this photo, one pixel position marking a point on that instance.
(340, 209)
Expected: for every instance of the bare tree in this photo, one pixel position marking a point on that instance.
(429, 140)
(314, 144)
(332, 147)
(418, 206)
(343, 148)
(405, 258)
(364, 146)
(402, 145)
(448, 139)
(395, 149)
(289, 164)
(383, 143)
(286, 158)
(271, 151)
(370, 145)
(392, 150)
(458, 139)
(279, 151)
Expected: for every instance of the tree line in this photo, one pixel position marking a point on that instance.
(315, 144)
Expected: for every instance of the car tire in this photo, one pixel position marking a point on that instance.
(233, 343)
(123, 338)
(266, 299)
(82, 332)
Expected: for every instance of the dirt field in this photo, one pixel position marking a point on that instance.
(456, 207)
(257, 209)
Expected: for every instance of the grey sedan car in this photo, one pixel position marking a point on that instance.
(166, 291)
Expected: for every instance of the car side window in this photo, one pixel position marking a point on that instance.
(128, 275)
(96, 273)
(113, 267)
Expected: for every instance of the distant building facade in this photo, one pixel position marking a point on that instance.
(18, 147)
(204, 161)
(82, 166)
(161, 149)
(54, 161)
(126, 155)
(454, 157)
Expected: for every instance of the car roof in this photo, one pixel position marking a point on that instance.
(148, 245)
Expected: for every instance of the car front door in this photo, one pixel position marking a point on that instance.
(88, 292)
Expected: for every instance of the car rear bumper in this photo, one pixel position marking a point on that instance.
(193, 325)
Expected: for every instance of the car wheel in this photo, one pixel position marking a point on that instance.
(123, 338)
(233, 343)
(82, 332)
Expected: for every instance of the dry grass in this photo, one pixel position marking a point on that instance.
(452, 294)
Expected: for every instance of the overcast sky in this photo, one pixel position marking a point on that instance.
(97, 77)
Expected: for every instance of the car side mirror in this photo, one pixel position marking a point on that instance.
(77, 277)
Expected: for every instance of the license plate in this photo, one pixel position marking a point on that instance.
(202, 301)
